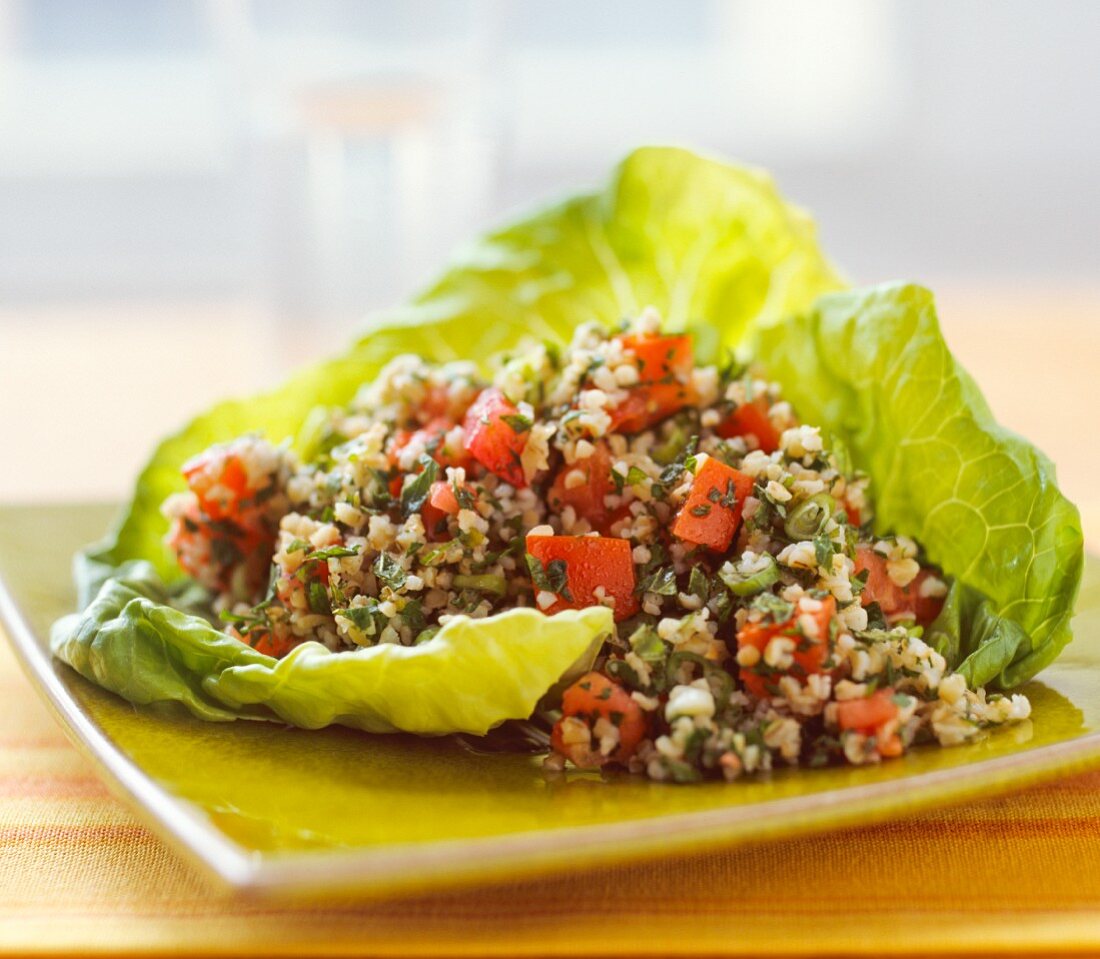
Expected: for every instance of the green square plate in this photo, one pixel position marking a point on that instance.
(272, 809)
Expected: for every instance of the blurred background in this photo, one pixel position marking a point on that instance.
(197, 195)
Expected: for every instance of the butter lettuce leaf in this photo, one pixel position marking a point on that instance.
(871, 367)
(471, 676)
(700, 240)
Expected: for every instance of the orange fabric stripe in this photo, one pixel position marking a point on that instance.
(52, 789)
(77, 872)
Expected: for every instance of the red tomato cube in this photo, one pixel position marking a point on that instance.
(712, 512)
(430, 439)
(496, 437)
(751, 419)
(867, 713)
(441, 503)
(589, 699)
(896, 602)
(664, 381)
(810, 653)
(586, 498)
(590, 562)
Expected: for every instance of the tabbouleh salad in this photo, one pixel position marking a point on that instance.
(759, 621)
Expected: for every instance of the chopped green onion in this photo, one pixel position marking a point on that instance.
(426, 635)
(807, 519)
(747, 578)
(483, 583)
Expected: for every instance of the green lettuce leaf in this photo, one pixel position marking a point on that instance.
(968, 621)
(872, 368)
(698, 239)
(471, 676)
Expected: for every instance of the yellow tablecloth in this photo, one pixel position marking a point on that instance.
(77, 873)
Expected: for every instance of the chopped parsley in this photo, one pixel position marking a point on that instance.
(520, 424)
(464, 497)
(552, 578)
(334, 552)
(660, 581)
(415, 491)
(391, 572)
(368, 618)
(773, 607)
(318, 599)
(875, 618)
(634, 476)
(824, 550)
(698, 584)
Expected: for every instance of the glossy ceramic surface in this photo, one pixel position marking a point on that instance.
(272, 809)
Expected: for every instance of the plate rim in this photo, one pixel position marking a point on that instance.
(414, 867)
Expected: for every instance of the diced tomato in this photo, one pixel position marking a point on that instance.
(660, 357)
(590, 562)
(890, 745)
(441, 503)
(664, 385)
(617, 516)
(925, 608)
(213, 551)
(647, 405)
(868, 713)
(896, 602)
(432, 440)
(712, 512)
(493, 441)
(586, 498)
(443, 498)
(397, 443)
(441, 402)
(751, 419)
(219, 480)
(433, 515)
(878, 588)
(294, 590)
(854, 518)
(875, 715)
(810, 653)
(589, 699)
(268, 642)
(223, 532)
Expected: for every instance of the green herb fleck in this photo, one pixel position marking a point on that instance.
(698, 583)
(387, 569)
(520, 424)
(318, 599)
(661, 581)
(415, 491)
(553, 578)
(824, 550)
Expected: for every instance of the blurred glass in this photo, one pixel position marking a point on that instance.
(323, 157)
(287, 166)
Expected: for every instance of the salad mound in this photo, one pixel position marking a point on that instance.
(758, 619)
(343, 632)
